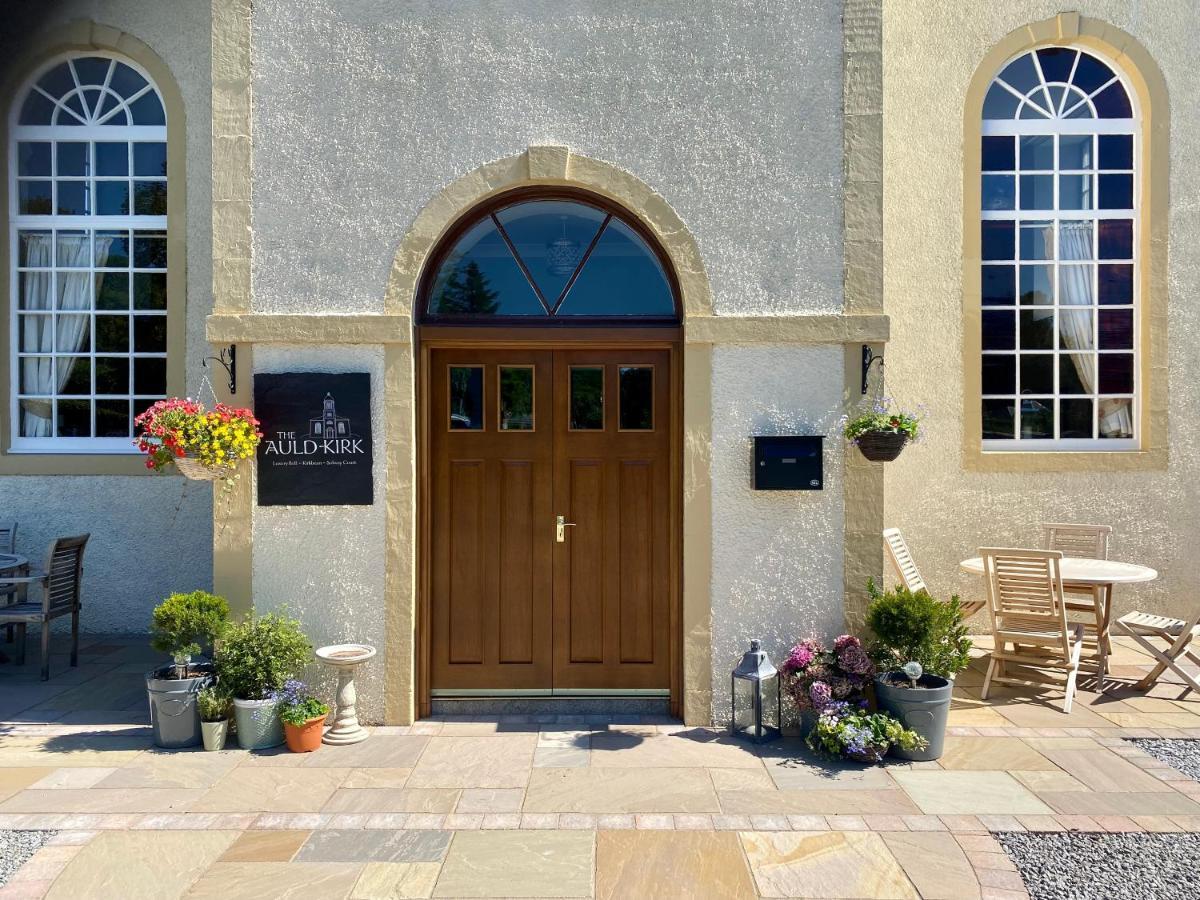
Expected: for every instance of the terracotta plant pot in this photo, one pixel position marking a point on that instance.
(304, 738)
(881, 446)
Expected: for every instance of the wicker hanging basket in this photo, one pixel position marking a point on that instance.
(881, 446)
(190, 467)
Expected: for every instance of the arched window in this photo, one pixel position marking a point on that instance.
(548, 257)
(1059, 236)
(88, 219)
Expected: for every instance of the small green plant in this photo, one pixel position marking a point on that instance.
(259, 654)
(183, 623)
(212, 705)
(915, 627)
(882, 416)
(844, 730)
(297, 706)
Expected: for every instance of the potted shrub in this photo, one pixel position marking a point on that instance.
(256, 658)
(303, 717)
(920, 644)
(214, 717)
(203, 444)
(849, 731)
(182, 625)
(882, 431)
(814, 675)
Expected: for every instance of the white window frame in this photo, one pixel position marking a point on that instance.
(115, 446)
(1045, 126)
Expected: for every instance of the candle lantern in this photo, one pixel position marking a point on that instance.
(755, 697)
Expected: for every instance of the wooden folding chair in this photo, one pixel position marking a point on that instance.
(1029, 618)
(906, 568)
(61, 585)
(1176, 636)
(1084, 542)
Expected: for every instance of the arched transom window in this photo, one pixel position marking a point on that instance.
(88, 214)
(1059, 236)
(548, 258)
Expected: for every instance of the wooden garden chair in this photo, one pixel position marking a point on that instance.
(906, 568)
(1084, 542)
(1029, 618)
(8, 592)
(60, 585)
(1176, 637)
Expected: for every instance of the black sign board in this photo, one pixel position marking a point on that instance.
(316, 446)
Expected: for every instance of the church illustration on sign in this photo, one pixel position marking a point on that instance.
(329, 424)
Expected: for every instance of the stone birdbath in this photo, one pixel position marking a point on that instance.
(345, 659)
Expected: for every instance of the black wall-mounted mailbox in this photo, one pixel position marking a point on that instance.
(789, 463)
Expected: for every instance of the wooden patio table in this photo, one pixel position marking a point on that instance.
(9, 562)
(1097, 575)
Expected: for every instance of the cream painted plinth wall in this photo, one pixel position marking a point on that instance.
(324, 565)
(931, 51)
(776, 556)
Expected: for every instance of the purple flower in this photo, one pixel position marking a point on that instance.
(802, 656)
(846, 640)
(854, 659)
(820, 694)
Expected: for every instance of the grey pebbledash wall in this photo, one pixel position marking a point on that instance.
(364, 110)
(150, 535)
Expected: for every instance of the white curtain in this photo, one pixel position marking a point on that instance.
(1075, 326)
(74, 294)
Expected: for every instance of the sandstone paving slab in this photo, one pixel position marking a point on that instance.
(969, 793)
(71, 777)
(607, 790)
(1102, 770)
(1089, 803)
(374, 845)
(265, 846)
(671, 864)
(278, 881)
(17, 779)
(158, 769)
(518, 864)
(794, 766)
(741, 779)
(1050, 715)
(994, 753)
(96, 800)
(283, 790)
(378, 751)
(377, 800)
(555, 757)
(390, 880)
(377, 778)
(490, 800)
(684, 748)
(935, 864)
(1057, 780)
(827, 864)
(500, 761)
(817, 802)
(140, 865)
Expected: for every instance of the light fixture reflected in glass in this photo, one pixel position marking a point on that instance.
(562, 255)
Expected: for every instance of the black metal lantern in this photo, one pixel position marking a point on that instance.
(753, 683)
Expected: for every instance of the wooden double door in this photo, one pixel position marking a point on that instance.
(551, 519)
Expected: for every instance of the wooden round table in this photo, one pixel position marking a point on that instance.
(1089, 574)
(9, 562)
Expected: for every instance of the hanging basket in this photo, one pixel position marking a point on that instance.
(190, 467)
(881, 446)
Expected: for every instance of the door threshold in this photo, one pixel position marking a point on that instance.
(549, 693)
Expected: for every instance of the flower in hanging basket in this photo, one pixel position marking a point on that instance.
(883, 430)
(202, 443)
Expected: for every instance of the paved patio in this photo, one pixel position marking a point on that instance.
(564, 806)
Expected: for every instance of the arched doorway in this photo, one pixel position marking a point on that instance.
(549, 381)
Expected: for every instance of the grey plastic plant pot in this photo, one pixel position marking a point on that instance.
(258, 724)
(174, 717)
(923, 709)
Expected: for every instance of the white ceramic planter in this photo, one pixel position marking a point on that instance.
(258, 724)
(214, 734)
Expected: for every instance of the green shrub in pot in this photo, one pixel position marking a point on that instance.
(256, 658)
(213, 706)
(916, 633)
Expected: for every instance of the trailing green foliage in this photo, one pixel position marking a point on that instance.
(183, 623)
(915, 627)
(212, 705)
(849, 731)
(259, 654)
(297, 706)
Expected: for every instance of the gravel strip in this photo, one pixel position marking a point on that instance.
(18, 846)
(1077, 865)
(1180, 754)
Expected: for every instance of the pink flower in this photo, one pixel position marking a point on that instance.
(846, 640)
(854, 659)
(802, 655)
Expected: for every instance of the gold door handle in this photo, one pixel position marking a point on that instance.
(560, 528)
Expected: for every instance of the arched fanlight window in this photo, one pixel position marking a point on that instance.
(88, 195)
(1059, 292)
(548, 257)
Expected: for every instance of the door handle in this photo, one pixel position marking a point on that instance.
(560, 528)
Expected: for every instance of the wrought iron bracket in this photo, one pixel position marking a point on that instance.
(869, 359)
(227, 360)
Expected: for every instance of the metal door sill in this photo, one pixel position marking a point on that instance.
(552, 693)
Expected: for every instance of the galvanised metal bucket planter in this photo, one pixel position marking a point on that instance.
(174, 718)
(924, 709)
